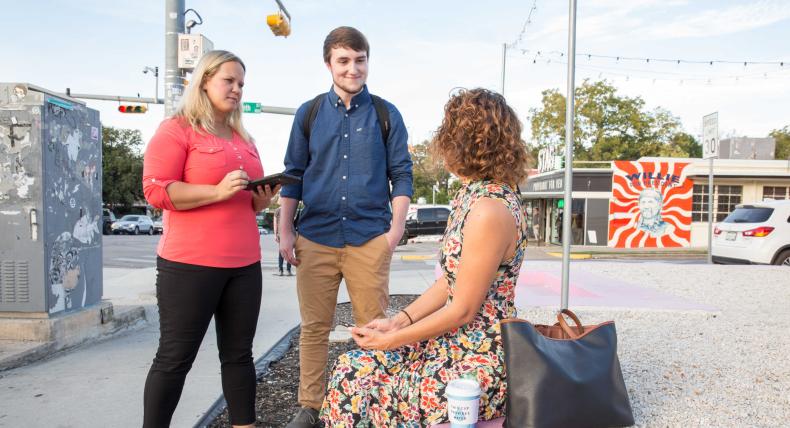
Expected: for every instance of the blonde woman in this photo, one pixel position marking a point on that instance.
(196, 169)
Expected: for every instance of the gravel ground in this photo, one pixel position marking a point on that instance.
(722, 368)
(277, 390)
(726, 368)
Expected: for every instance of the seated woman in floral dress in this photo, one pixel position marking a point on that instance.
(451, 331)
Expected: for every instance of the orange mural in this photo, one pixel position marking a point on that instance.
(650, 205)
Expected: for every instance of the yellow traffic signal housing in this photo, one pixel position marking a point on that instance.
(279, 24)
(132, 108)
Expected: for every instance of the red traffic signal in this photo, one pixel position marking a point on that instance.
(132, 108)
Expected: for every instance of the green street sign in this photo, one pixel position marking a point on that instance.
(251, 107)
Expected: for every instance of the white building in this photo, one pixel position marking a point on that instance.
(736, 181)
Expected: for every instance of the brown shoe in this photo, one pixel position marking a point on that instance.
(305, 418)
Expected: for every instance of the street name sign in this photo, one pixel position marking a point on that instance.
(251, 107)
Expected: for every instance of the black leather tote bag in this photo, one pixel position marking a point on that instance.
(563, 376)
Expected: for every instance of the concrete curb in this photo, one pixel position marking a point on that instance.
(21, 352)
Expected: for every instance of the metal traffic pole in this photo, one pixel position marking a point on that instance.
(174, 77)
(568, 182)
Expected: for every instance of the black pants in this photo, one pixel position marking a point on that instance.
(188, 296)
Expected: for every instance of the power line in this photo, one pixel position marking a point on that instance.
(648, 60)
(526, 24)
(675, 77)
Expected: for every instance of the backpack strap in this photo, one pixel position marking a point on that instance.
(312, 112)
(383, 115)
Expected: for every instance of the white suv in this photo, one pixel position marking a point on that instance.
(756, 233)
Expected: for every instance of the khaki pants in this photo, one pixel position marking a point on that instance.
(366, 271)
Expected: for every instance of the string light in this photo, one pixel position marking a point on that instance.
(681, 78)
(524, 27)
(619, 58)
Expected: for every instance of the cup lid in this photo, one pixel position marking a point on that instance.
(463, 388)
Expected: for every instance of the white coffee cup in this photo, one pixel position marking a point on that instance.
(463, 401)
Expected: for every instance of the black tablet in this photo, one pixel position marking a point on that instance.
(273, 180)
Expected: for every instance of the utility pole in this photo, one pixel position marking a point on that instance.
(568, 182)
(504, 54)
(154, 70)
(174, 77)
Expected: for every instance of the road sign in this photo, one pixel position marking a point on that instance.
(710, 136)
(251, 107)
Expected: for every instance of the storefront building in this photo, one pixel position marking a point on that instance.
(671, 191)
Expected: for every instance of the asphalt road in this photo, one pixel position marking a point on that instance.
(135, 252)
(139, 251)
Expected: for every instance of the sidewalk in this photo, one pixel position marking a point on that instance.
(101, 383)
(598, 252)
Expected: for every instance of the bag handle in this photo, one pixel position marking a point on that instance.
(564, 324)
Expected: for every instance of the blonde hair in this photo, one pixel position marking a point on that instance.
(195, 105)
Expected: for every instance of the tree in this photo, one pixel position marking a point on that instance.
(427, 173)
(608, 126)
(683, 145)
(782, 137)
(122, 167)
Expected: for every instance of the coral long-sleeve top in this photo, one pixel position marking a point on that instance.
(223, 234)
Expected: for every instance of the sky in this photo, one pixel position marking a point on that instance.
(420, 52)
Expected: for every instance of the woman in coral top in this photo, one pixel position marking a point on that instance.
(196, 169)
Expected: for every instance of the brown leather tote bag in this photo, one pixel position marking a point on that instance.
(564, 376)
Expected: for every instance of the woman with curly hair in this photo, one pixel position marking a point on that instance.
(452, 331)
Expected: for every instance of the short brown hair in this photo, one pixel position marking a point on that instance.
(480, 138)
(345, 37)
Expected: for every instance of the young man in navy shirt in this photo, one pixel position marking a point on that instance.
(356, 186)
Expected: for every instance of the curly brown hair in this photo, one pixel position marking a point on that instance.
(480, 138)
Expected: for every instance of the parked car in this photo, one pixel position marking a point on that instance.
(108, 218)
(425, 220)
(757, 233)
(158, 228)
(133, 224)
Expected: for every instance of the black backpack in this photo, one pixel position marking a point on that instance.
(381, 113)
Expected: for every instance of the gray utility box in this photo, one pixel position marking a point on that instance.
(50, 202)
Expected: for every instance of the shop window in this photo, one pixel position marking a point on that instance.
(726, 197)
(774, 192)
(699, 203)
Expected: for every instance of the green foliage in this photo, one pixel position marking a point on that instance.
(682, 145)
(427, 173)
(122, 167)
(609, 126)
(782, 137)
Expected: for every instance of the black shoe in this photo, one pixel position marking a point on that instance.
(305, 418)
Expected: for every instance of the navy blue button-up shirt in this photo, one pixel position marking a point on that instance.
(347, 170)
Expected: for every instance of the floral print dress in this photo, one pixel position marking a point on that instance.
(405, 387)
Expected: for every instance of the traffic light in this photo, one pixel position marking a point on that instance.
(132, 109)
(279, 24)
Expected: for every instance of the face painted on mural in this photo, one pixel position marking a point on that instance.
(650, 204)
(650, 221)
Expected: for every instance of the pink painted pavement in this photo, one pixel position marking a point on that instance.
(541, 286)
